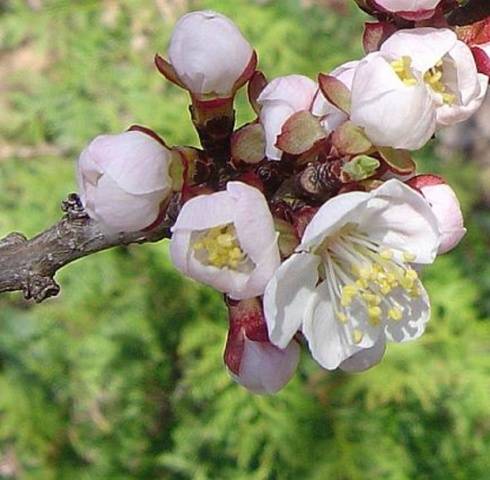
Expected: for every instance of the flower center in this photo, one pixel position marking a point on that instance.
(403, 70)
(433, 78)
(219, 247)
(360, 270)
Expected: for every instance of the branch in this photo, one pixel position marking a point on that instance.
(30, 265)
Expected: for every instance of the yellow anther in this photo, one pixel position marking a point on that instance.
(374, 314)
(371, 299)
(221, 247)
(411, 274)
(433, 77)
(342, 317)
(386, 254)
(402, 69)
(357, 336)
(395, 314)
(409, 256)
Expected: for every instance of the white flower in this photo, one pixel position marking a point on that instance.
(447, 67)
(331, 116)
(280, 99)
(209, 53)
(446, 208)
(227, 240)
(411, 9)
(392, 103)
(123, 180)
(351, 285)
(264, 368)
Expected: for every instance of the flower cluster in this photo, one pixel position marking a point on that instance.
(312, 219)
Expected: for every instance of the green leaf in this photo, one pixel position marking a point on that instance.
(360, 168)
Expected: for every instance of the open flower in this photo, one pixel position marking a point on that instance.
(123, 180)
(447, 67)
(331, 116)
(227, 240)
(210, 55)
(252, 360)
(351, 285)
(446, 208)
(409, 9)
(280, 99)
(392, 103)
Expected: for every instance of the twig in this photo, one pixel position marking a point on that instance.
(30, 265)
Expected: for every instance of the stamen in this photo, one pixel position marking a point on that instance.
(433, 77)
(402, 69)
(220, 248)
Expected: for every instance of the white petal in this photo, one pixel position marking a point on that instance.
(206, 211)
(415, 317)
(265, 369)
(260, 276)
(446, 208)
(366, 358)
(407, 5)
(333, 214)
(400, 218)
(208, 52)
(467, 85)
(119, 211)
(451, 114)
(273, 117)
(392, 114)
(327, 339)
(297, 91)
(253, 221)
(425, 46)
(287, 294)
(135, 161)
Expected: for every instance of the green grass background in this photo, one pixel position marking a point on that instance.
(121, 376)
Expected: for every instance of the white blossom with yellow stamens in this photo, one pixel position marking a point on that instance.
(447, 67)
(351, 284)
(392, 103)
(227, 240)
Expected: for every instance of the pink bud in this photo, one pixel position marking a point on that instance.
(252, 360)
(209, 54)
(409, 9)
(446, 208)
(123, 180)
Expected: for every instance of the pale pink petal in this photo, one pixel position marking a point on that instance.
(264, 368)
(400, 218)
(287, 294)
(365, 359)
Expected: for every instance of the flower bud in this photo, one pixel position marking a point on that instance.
(446, 208)
(123, 180)
(252, 360)
(280, 99)
(210, 56)
(409, 9)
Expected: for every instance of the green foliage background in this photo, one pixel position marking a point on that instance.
(121, 377)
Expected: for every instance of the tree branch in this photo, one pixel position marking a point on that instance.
(30, 265)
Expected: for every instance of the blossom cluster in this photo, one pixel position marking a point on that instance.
(312, 220)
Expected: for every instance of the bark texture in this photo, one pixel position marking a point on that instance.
(30, 265)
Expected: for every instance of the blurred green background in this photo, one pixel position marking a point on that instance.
(121, 376)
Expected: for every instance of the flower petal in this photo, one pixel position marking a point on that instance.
(206, 211)
(415, 316)
(400, 218)
(264, 368)
(333, 214)
(426, 46)
(327, 339)
(287, 294)
(366, 358)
